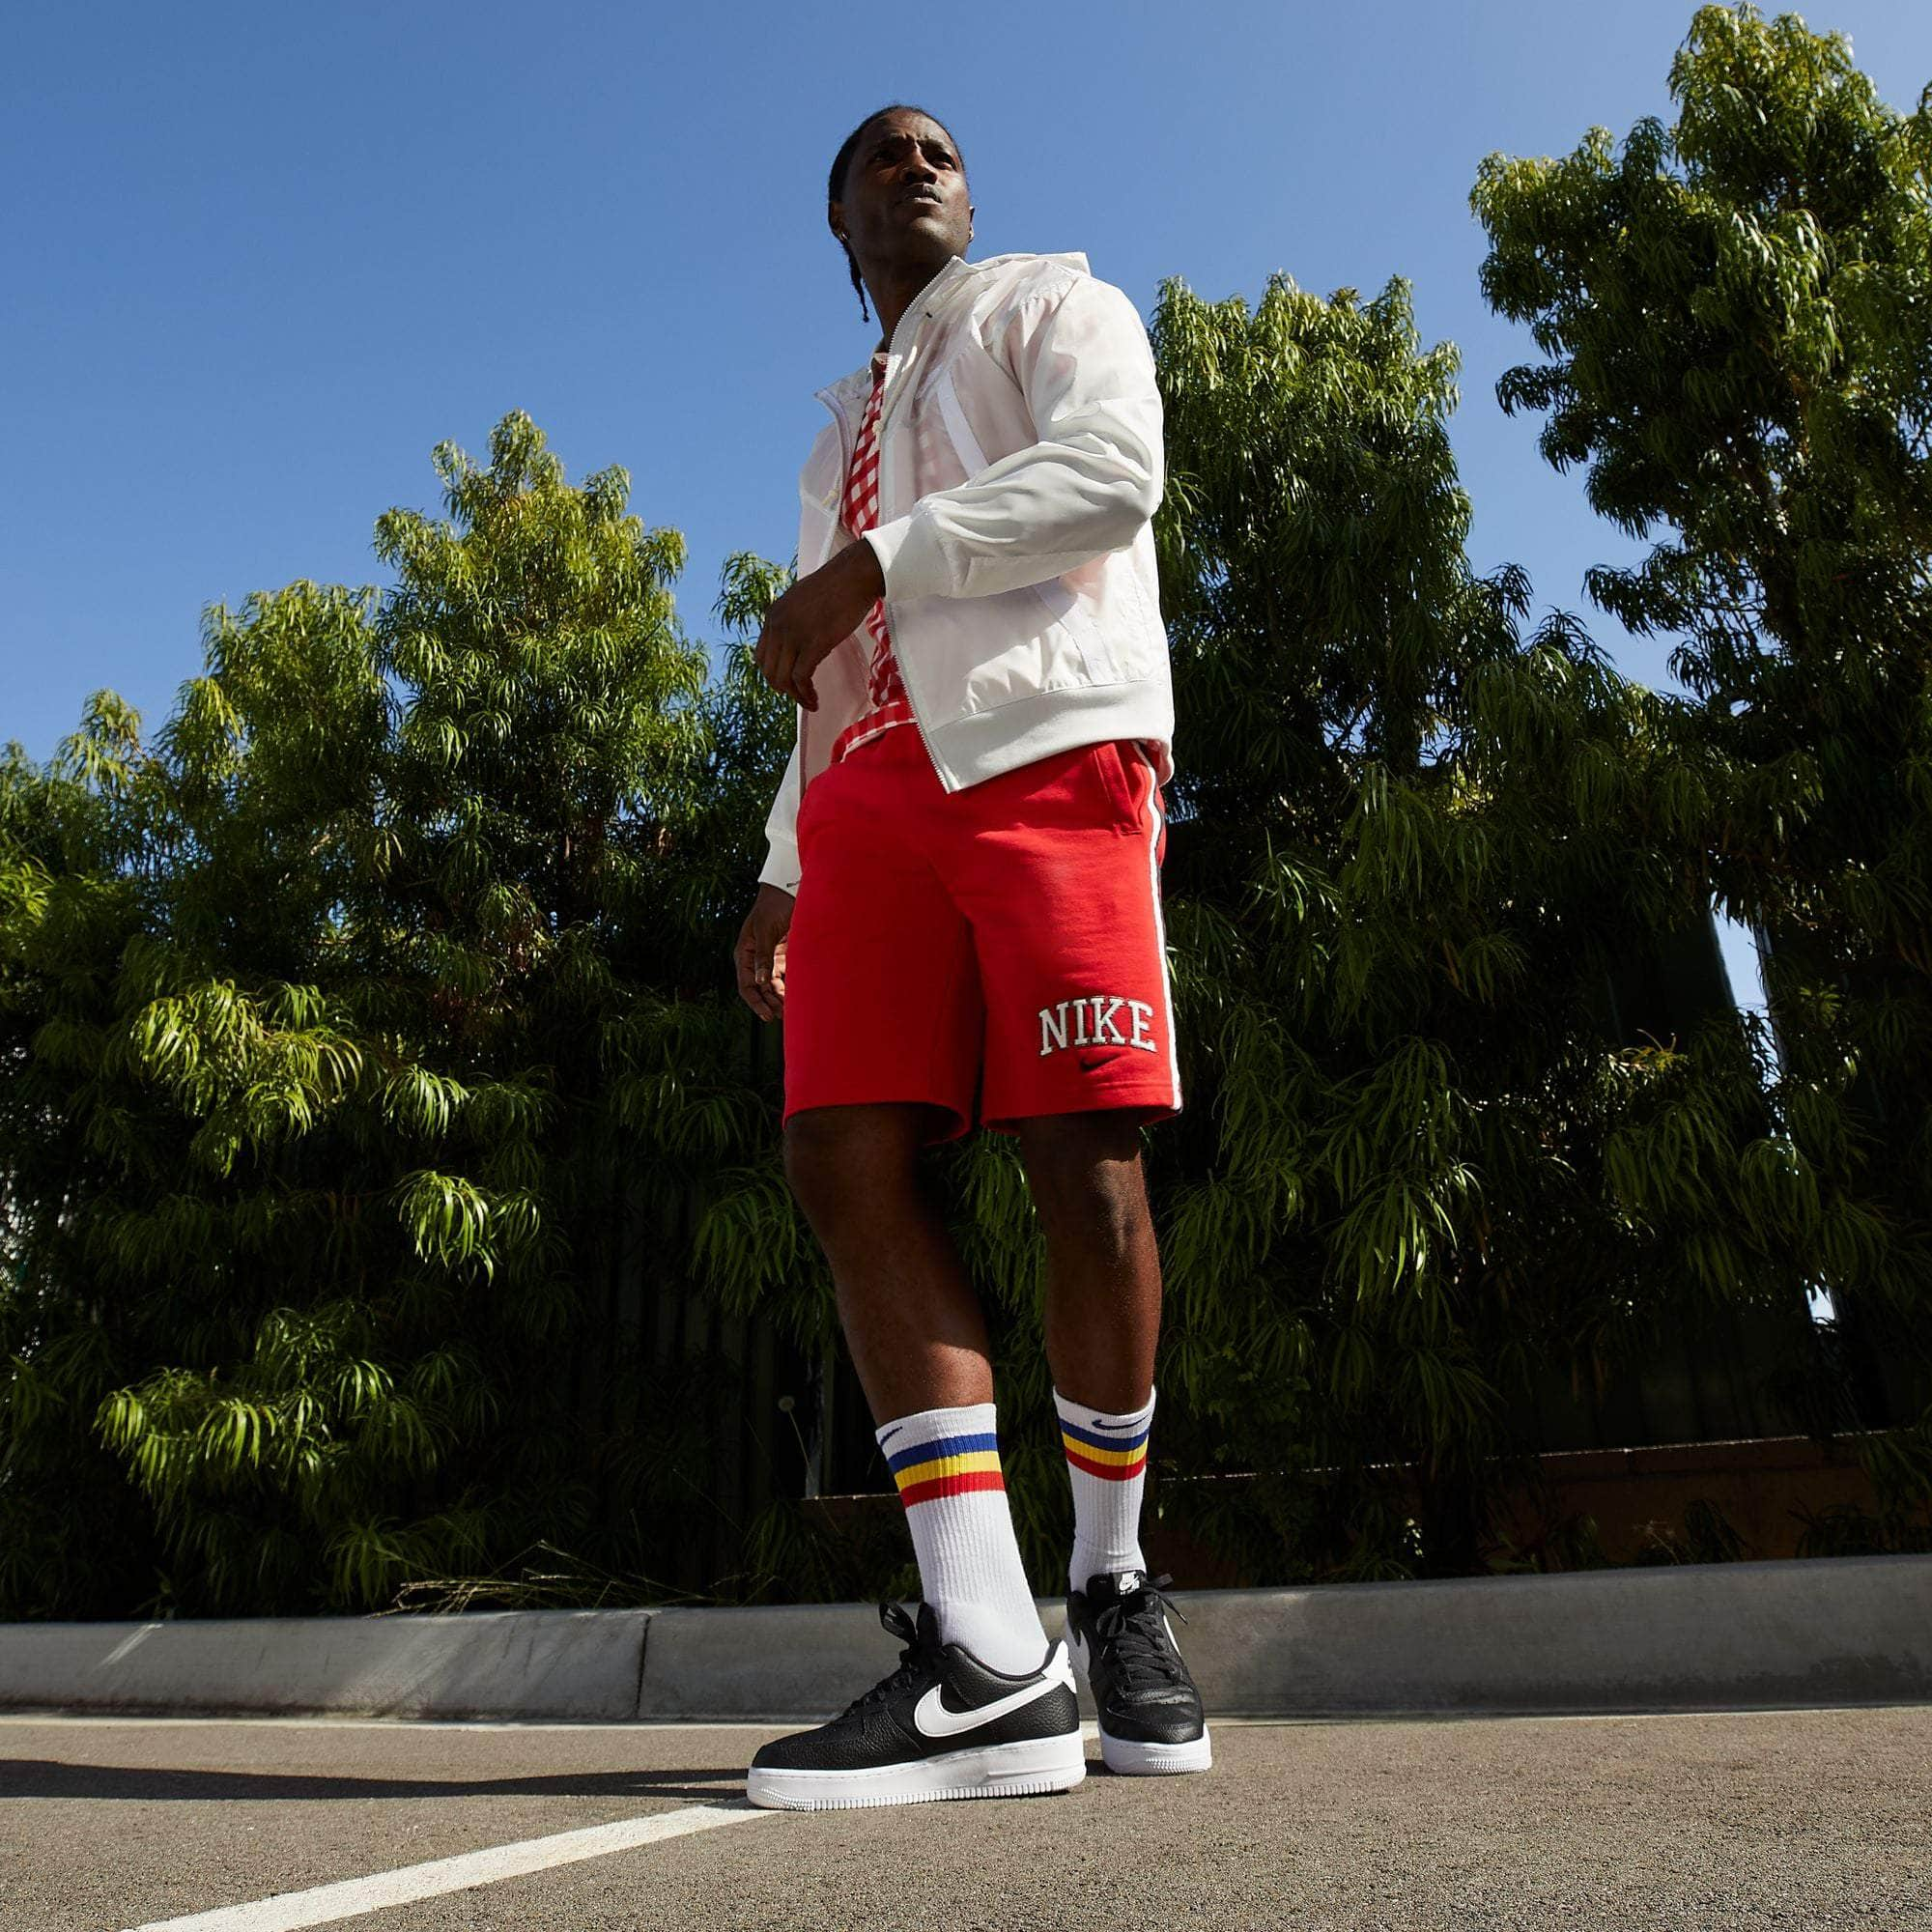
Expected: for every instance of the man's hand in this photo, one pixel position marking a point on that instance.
(759, 954)
(808, 622)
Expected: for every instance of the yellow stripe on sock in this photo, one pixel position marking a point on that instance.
(941, 1467)
(1118, 1457)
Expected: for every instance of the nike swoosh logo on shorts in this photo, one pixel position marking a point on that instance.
(933, 1720)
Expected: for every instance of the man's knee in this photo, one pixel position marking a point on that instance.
(1096, 1148)
(1084, 1171)
(835, 1156)
(813, 1143)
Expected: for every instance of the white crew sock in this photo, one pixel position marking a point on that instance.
(1106, 1462)
(947, 1465)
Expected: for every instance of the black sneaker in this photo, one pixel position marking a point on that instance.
(1122, 1646)
(942, 1725)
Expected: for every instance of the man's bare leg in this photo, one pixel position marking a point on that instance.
(1103, 1284)
(918, 1337)
(1103, 1295)
(912, 1320)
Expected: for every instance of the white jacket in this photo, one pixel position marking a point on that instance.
(1021, 465)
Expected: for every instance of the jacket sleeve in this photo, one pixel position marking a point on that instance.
(1080, 353)
(781, 866)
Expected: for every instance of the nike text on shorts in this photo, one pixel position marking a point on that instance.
(996, 952)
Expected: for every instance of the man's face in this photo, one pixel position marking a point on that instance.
(906, 202)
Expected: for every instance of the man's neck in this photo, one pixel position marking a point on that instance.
(893, 299)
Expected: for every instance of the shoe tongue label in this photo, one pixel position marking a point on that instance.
(1127, 1582)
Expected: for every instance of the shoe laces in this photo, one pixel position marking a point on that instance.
(916, 1661)
(1135, 1627)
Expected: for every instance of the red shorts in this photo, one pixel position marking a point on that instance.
(996, 952)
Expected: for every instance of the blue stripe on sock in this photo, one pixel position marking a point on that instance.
(944, 1445)
(1094, 1440)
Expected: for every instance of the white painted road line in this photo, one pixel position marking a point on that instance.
(325, 1904)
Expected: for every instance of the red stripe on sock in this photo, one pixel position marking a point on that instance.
(951, 1486)
(1115, 1473)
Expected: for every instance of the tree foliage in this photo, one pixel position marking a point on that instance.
(1736, 317)
(1419, 1165)
(340, 1024)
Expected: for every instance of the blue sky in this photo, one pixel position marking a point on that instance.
(261, 260)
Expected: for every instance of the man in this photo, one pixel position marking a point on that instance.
(959, 916)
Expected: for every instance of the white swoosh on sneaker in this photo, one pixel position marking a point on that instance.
(932, 1720)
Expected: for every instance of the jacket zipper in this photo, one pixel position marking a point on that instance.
(904, 663)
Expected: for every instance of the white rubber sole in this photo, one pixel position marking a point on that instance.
(1023, 1770)
(1125, 1758)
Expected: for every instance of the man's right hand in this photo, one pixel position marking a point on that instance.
(759, 954)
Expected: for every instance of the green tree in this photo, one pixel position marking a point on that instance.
(1418, 1166)
(1735, 313)
(340, 1027)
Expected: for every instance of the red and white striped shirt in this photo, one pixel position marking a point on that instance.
(886, 696)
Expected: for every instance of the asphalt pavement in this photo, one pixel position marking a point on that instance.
(1807, 1818)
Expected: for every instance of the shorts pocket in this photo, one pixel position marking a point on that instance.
(1118, 784)
(813, 793)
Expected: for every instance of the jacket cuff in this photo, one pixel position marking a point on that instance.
(782, 867)
(888, 540)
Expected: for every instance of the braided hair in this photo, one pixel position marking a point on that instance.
(842, 160)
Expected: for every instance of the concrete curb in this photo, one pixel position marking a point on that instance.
(510, 1663)
(1702, 1636)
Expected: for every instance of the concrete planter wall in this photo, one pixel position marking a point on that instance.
(1849, 1630)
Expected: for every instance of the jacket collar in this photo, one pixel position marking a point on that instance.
(953, 278)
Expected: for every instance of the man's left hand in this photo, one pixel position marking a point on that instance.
(804, 627)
